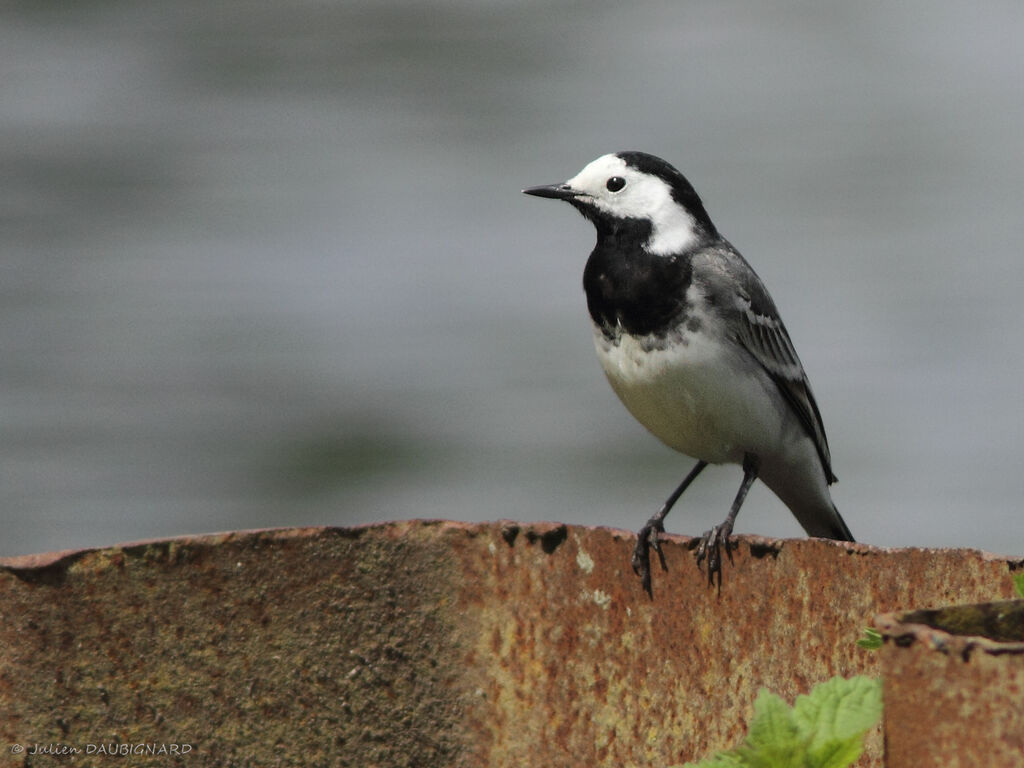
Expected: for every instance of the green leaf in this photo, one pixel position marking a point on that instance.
(824, 729)
(839, 708)
(774, 739)
(872, 639)
(834, 717)
(1018, 582)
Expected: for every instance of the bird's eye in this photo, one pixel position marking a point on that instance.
(615, 183)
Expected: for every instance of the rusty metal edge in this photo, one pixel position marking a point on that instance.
(45, 560)
(893, 628)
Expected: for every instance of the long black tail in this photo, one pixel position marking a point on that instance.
(836, 528)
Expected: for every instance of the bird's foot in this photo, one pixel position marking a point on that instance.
(646, 540)
(710, 549)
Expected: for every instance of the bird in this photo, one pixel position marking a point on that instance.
(691, 342)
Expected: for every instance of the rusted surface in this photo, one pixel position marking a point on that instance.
(589, 670)
(441, 644)
(287, 648)
(954, 698)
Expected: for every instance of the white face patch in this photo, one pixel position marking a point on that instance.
(642, 197)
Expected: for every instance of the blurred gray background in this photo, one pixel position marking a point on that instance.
(267, 264)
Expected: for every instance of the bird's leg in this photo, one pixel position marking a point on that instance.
(647, 537)
(711, 542)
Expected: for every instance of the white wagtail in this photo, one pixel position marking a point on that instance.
(692, 344)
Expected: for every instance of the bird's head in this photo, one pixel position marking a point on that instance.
(631, 188)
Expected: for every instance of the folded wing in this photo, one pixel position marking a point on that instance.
(766, 338)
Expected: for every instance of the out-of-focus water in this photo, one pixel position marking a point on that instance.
(267, 263)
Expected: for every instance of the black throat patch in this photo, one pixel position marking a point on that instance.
(630, 290)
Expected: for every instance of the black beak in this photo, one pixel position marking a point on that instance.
(554, 191)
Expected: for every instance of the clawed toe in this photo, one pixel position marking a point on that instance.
(646, 540)
(710, 549)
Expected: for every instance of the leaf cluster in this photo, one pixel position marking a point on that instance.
(824, 729)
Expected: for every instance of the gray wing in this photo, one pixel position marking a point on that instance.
(765, 337)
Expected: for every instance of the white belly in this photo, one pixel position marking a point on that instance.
(698, 396)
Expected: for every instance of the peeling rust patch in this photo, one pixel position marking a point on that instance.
(765, 549)
(509, 532)
(549, 536)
